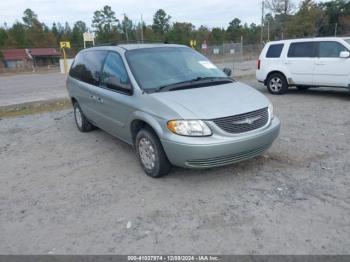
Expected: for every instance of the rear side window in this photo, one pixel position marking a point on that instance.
(87, 66)
(274, 51)
(330, 49)
(302, 49)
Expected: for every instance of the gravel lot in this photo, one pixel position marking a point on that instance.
(64, 192)
(25, 88)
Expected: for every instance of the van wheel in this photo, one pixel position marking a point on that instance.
(80, 120)
(151, 154)
(277, 84)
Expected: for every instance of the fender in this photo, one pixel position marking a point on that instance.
(282, 69)
(152, 120)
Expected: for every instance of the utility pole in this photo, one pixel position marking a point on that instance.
(141, 29)
(126, 29)
(242, 47)
(335, 29)
(268, 30)
(262, 21)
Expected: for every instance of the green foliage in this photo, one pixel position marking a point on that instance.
(337, 12)
(181, 33)
(29, 17)
(106, 25)
(79, 29)
(127, 28)
(307, 20)
(310, 18)
(3, 36)
(218, 35)
(161, 23)
(234, 30)
(280, 7)
(16, 36)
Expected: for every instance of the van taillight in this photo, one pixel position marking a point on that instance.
(258, 64)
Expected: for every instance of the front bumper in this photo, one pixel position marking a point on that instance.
(214, 151)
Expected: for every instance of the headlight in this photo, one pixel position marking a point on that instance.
(189, 127)
(271, 111)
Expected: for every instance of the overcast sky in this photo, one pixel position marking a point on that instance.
(211, 13)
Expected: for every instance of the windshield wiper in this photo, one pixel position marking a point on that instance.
(192, 83)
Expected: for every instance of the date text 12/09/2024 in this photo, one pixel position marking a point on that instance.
(174, 258)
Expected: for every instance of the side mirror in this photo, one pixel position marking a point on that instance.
(344, 54)
(227, 71)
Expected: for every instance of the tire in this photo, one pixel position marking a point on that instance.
(80, 120)
(151, 154)
(277, 84)
(303, 87)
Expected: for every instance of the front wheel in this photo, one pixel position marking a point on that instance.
(277, 84)
(151, 154)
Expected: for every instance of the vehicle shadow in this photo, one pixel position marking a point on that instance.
(324, 92)
(244, 168)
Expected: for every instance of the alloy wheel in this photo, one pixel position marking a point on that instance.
(147, 153)
(275, 84)
(78, 116)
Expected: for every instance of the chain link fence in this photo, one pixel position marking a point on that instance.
(241, 59)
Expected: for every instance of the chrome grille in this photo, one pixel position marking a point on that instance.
(244, 122)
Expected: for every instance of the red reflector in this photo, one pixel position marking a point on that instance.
(259, 64)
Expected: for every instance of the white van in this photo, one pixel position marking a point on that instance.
(304, 63)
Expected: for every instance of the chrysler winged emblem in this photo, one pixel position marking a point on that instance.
(247, 121)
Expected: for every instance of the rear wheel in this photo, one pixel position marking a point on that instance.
(277, 84)
(80, 120)
(151, 154)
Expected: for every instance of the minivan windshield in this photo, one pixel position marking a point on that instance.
(159, 67)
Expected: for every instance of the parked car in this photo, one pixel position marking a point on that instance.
(304, 63)
(172, 104)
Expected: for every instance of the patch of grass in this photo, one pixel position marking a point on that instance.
(35, 108)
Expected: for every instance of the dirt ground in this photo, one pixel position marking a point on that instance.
(64, 192)
(26, 88)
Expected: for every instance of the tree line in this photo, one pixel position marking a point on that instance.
(283, 19)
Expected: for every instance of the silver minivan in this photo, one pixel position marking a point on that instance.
(172, 104)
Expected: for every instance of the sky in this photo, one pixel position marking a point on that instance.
(211, 13)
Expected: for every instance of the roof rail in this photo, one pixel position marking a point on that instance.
(132, 42)
(108, 44)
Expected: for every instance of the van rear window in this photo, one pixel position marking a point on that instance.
(87, 66)
(274, 51)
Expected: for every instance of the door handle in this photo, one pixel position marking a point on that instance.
(98, 99)
(320, 63)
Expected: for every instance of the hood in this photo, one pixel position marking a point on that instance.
(214, 101)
